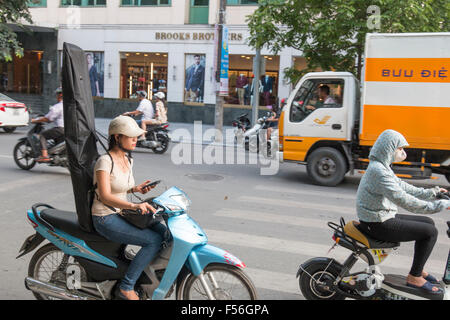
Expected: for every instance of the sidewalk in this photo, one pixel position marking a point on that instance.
(182, 132)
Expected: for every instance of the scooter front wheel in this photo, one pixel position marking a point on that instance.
(225, 282)
(23, 155)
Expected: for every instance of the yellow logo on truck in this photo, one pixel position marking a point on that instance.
(323, 121)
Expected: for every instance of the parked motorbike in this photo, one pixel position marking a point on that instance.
(255, 138)
(79, 265)
(28, 149)
(324, 278)
(241, 124)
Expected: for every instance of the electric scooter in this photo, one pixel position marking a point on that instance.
(77, 265)
(324, 278)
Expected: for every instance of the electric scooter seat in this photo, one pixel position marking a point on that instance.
(352, 230)
(67, 221)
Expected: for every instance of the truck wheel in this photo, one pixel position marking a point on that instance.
(447, 175)
(326, 167)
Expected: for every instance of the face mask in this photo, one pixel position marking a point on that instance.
(399, 155)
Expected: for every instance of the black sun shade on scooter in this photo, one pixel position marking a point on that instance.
(79, 129)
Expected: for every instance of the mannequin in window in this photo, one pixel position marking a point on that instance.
(241, 85)
(267, 84)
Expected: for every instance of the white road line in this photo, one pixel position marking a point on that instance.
(323, 193)
(343, 210)
(272, 218)
(294, 220)
(309, 249)
(264, 279)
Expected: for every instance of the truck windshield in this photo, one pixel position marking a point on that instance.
(315, 94)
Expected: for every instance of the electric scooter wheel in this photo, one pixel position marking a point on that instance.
(314, 282)
(231, 283)
(23, 155)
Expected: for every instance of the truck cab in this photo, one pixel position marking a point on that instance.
(331, 122)
(318, 124)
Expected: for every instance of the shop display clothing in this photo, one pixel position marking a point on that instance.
(241, 84)
(267, 84)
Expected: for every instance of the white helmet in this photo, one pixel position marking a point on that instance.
(141, 93)
(160, 95)
(124, 125)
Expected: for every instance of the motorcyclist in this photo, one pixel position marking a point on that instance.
(160, 114)
(54, 115)
(379, 194)
(145, 109)
(114, 177)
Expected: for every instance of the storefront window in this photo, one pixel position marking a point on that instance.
(96, 67)
(146, 2)
(242, 2)
(241, 80)
(37, 3)
(22, 74)
(145, 71)
(83, 3)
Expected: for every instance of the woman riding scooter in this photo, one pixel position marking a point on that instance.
(114, 177)
(379, 194)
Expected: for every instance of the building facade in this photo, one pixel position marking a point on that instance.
(163, 45)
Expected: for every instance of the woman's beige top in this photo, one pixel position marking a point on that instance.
(161, 113)
(121, 182)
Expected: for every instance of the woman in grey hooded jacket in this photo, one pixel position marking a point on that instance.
(379, 194)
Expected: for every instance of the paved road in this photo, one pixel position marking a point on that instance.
(272, 222)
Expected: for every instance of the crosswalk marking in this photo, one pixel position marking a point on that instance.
(342, 210)
(320, 193)
(272, 218)
(271, 280)
(301, 248)
(292, 220)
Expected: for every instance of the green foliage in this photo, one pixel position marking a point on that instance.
(12, 12)
(331, 33)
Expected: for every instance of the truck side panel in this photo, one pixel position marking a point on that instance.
(407, 90)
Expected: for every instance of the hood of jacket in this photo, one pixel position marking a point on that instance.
(384, 148)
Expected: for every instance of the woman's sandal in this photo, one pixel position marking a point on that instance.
(431, 279)
(428, 287)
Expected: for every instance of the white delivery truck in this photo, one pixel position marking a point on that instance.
(331, 120)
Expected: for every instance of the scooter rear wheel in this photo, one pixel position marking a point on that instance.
(49, 264)
(164, 145)
(314, 282)
(226, 282)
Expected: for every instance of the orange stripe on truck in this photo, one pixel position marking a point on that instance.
(423, 127)
(408, 69)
